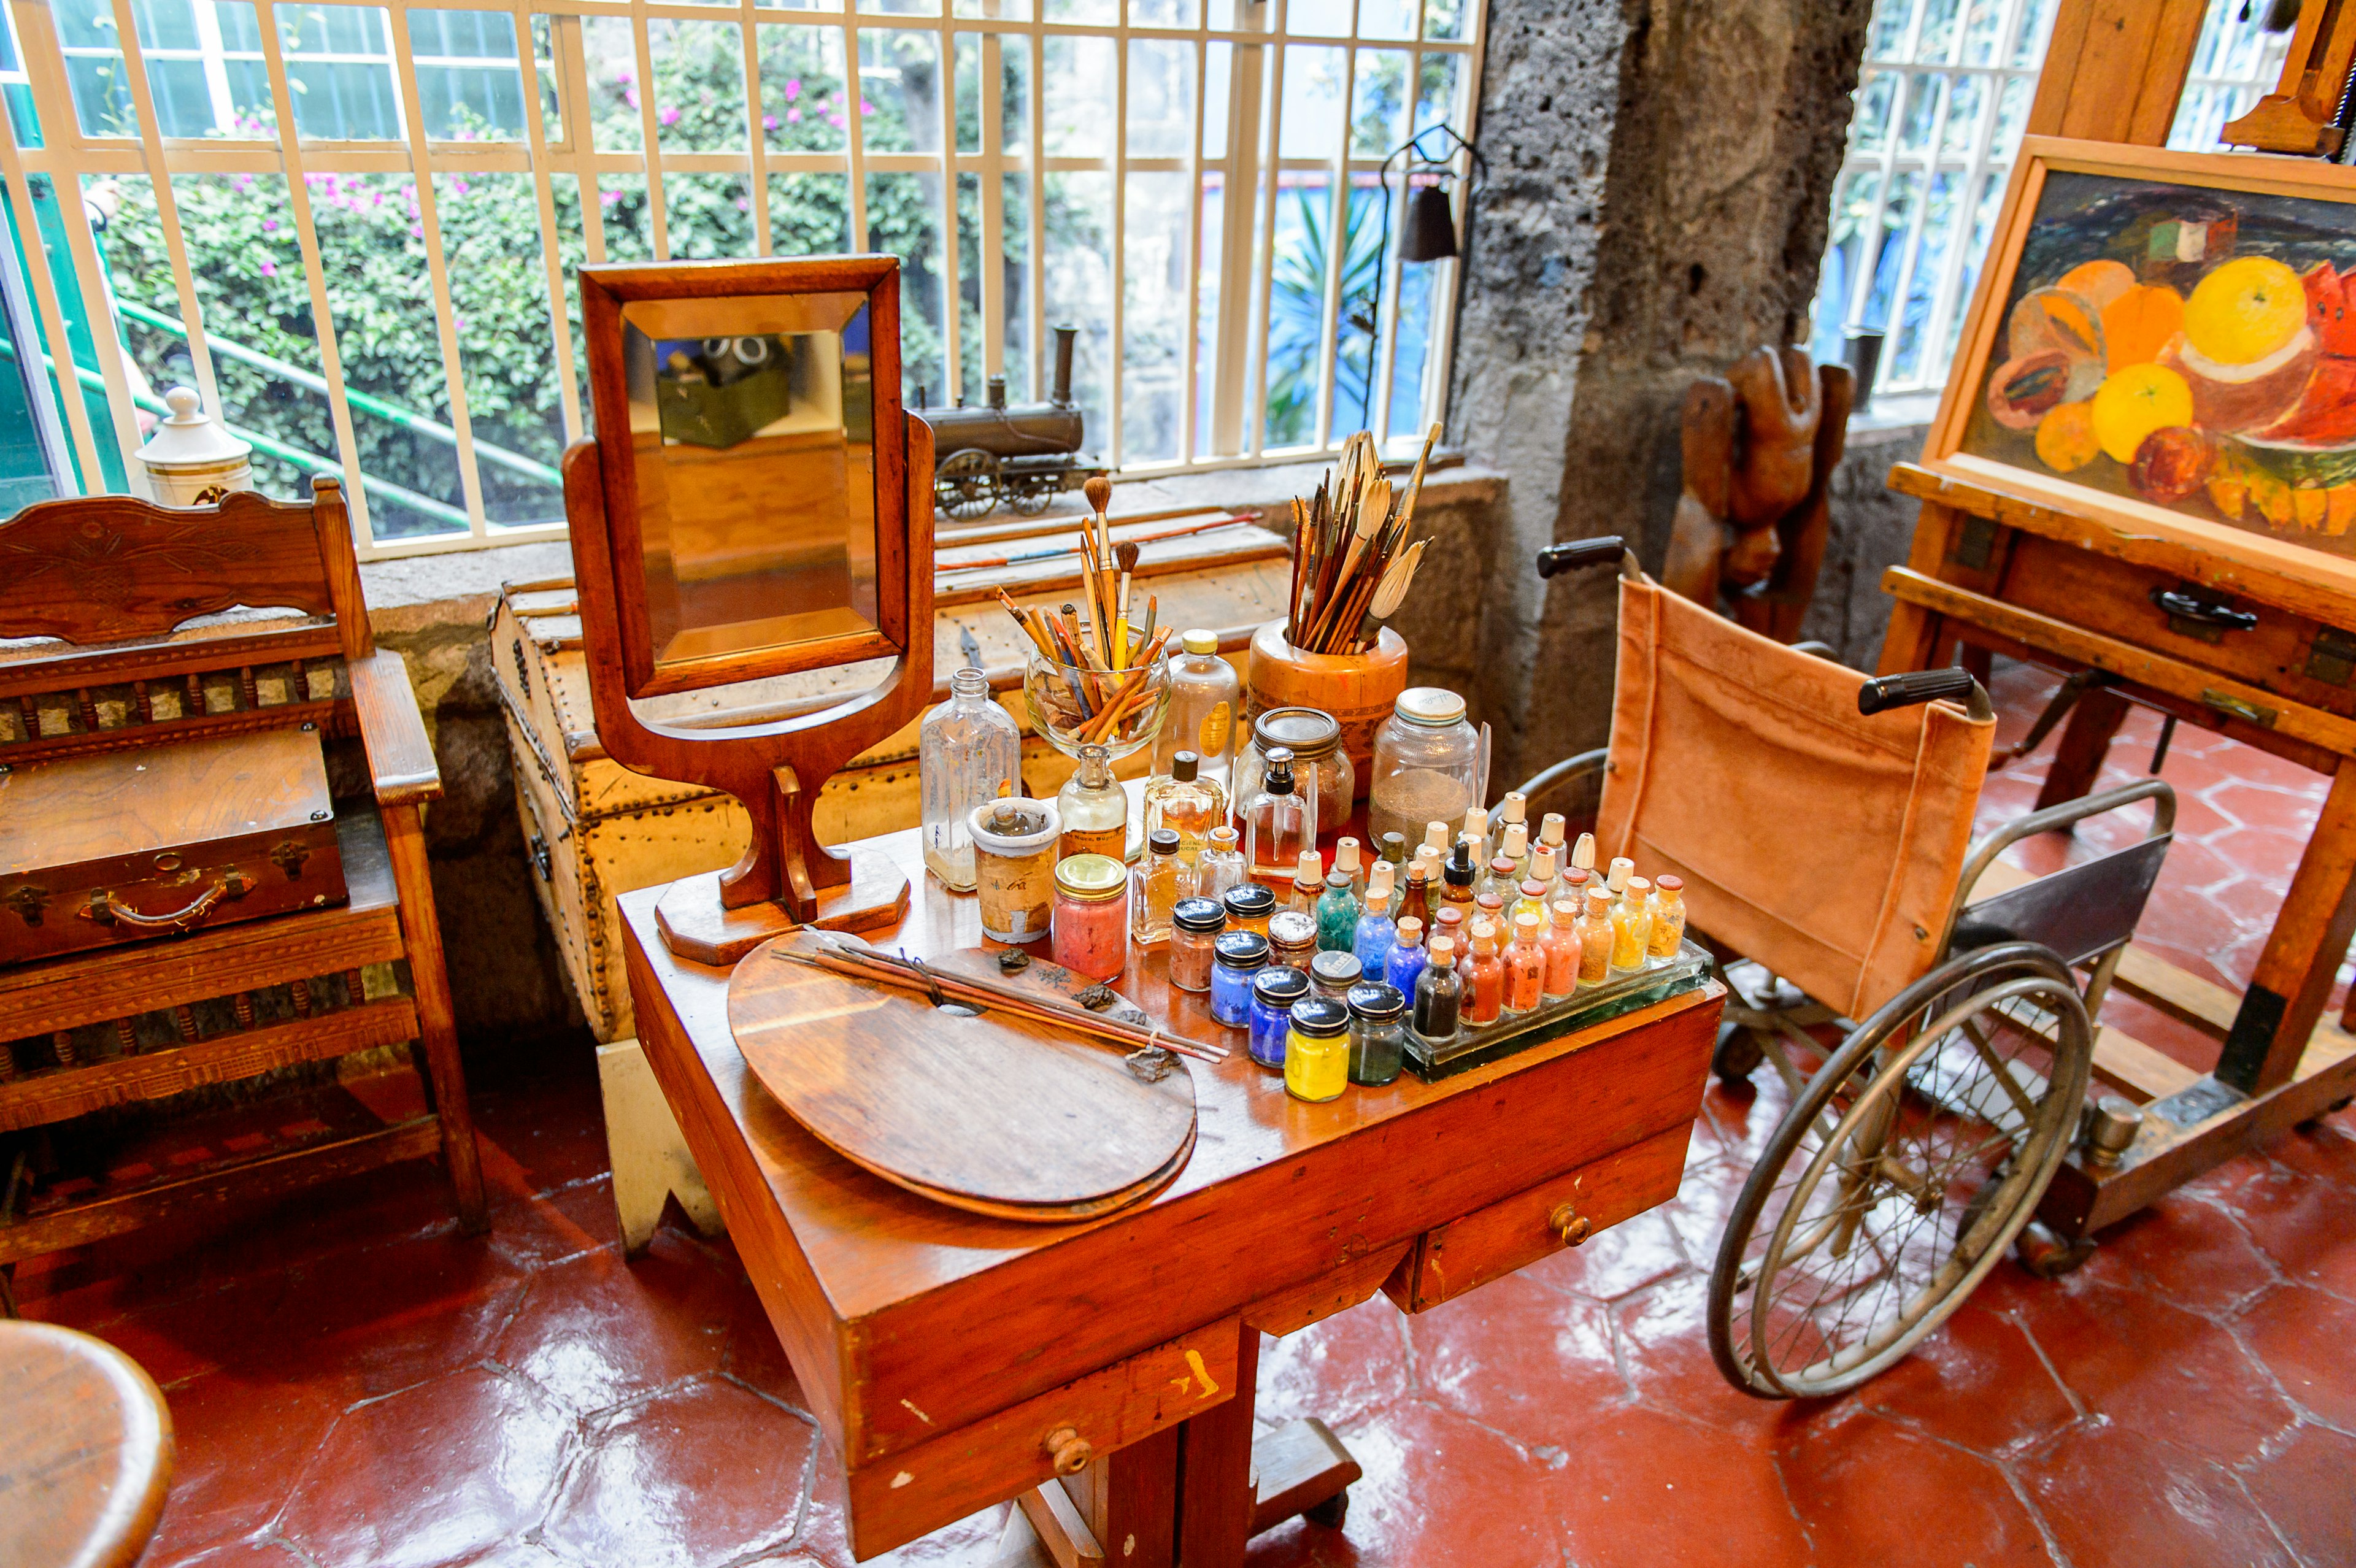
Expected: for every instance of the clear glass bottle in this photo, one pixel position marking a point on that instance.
(1317, 1050)
(1292, 939)
(1458, 877)
(1515, 847)
(968, 752)
(1476, 828)
(1545, 861)
(1632, 925)
(1187, 803)
(1484, 974)
(1394, 850)
(1280, 821)
(1550, 834)
(1337, 914)
(1220, 866)
(1348, 860)
(1195, 925)
(1155, 886)
(1308, 884)
(1439, 993)
(1321, 766)
(1532, 900)
(1595, 938)
(1377, 1033)
(1206, 708)
(1377, 930)
(1668, 915)
(1503, 879)
(1526, 964)
(1426, 763)
(1094, 807)
(1407, 956)
(1562, 948)
(1415, 901)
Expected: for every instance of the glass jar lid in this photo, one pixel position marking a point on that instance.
(1198, 916)
(1250, 901)
(1431, 704)
(1162, 840)
(1294, 929)
(1336, 970)
(1320, 1017)
(1091, 878)
(1309, 734)
(1280, 987)
(1241, 949)
(1376, 1002)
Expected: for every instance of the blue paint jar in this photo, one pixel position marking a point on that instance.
(1274, 990)
(1237, 957)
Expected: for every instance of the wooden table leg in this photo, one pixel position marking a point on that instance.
(2294, 974)
(1234, 1482)
(2086, 742)
(1128, 1502)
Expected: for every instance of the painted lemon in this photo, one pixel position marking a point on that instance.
(2137, 402)
(2250, 307)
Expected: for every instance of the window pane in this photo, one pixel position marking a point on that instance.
(899, 88)
(1378, 102)
(1385, 19)
(1014, 282)
(904, 217)
(801, 88)
(1206, 311)
(707, 215)
(507, 348)
(468, 86)
(1081, 93)
(809, 215)
(1079, 285)
(1318, 18)
(622, 210)
(1164, 13)
(610, 54)
(699, 86)
(1153, 278)
(1296, 310)
(1161, 98)
(1313, 101)
(339, 70)
(1445, 19)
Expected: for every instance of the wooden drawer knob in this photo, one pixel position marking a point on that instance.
(1570, 1225)
(1069, 1450)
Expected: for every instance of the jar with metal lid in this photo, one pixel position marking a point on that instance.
(1332, 973)
(1427, 765)
(1235, 957)
(1292, 939)
(1091, 929)
(1320, 765)
(1249, 907)
(1274, 991)
(1377, 1033)
(1194, 927)
(1317, 1050)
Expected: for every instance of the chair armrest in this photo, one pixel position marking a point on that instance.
(399, 752)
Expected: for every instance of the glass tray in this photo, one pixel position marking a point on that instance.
(1474, 1045)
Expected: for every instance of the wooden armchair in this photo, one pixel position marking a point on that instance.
(111, 585)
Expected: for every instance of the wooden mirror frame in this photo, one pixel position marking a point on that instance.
(776, 764)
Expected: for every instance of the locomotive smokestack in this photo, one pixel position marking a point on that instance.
(1065, 337)
(998, 391)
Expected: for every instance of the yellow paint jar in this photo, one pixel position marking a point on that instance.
(1317, 1050)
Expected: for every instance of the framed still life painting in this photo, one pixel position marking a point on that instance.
(2166, 342)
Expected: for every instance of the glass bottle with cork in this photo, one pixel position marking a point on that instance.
(1337, 914)
(1206, 696)
(1187, 803)
(1526, 964)
(1632, 925)
(1414, 900)
(1562, 948)
(1094, 807)
(1668, 915)
(1308, 884)
(1220, 866)
(1513, 848)
(1279, 822)
(968, 753)
(1407, 956)
(1350, 860)
(1376, 930)
(1439, 993)
(1484, 974)
(1595, 936)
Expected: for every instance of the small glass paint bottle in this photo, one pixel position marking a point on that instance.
(1572, 885)
(1186, 802)
(1274, 990)
(1632, 925)
(1514, 846)
(1562, 948)
(1291, 939)
(1235, 957)
(1220, 866)
(1448, 920)
(1195, 928)
(1439, 993)
(1317, 1051)
(1530, 900)
(1595, 938)
(1337, 914)
(1525, 965)
(1485, 975)
(1415, 901)
(1376, 930)
(1348, 857)
(1308, 883)
(1377, 1034)
(1331, 975)
(1503, 879)
(1491, 907)
(1407, 958)
(1249, 907)
(1668, 915)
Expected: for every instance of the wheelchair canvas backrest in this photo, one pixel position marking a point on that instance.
(1824, 843)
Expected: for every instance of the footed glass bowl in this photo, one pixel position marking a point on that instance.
(1121, 711)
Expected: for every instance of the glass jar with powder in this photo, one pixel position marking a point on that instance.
(1427, 764)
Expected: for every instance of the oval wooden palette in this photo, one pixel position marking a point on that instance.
(993, 1114)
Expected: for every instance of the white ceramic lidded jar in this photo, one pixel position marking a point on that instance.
(191, 461)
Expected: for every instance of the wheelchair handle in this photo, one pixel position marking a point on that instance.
(1556, 559)
(1888, 691)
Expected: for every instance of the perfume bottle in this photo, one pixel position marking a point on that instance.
(1094, 808)
(1280, 821)
(968, 752)
(1187, 803)
(1220, 867)
(1205, 705)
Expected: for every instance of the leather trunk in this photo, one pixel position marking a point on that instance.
(140, 843)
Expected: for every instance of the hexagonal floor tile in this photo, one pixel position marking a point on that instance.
(1648, 1488)
(1338, 1368)
(2303, 1336)
(598, 1329)
(238, 1443)
(2118, 1497)
(1864, 1489)
(1533, 1363)
(2303, 1486)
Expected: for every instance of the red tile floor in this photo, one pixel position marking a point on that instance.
(355, 1383)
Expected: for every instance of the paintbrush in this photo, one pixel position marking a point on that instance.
(1126, 554)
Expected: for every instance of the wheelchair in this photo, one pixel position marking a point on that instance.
(1917, 1149)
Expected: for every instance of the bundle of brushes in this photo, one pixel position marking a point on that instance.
(1352, 562)
(1104, 691)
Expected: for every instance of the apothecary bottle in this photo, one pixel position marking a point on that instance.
(1426, 763)
(1377, 1033)
(1220, 866)
(1439, 993)
(1668, 915)
(1155, 887)
(968, 752)
(1195, 925)
(1279, 822)
(1205, 705)
(1322, 770)
(1187, 803)
(1094, 807)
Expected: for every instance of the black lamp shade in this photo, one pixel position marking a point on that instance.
(1430, 225)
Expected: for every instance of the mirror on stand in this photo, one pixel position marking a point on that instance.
(746, 511)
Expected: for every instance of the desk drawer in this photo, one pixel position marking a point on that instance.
(902, 1496)
(1492, 1243)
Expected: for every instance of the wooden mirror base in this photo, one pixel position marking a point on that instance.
(695, 927)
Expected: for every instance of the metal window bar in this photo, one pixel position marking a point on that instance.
(1227, 356)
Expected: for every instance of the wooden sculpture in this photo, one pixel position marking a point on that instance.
(1760, 448)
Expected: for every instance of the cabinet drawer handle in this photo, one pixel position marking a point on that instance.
(2205, 611)
(1069, 1450)
(1570, 1225)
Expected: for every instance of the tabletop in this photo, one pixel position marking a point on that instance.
(907, 1321)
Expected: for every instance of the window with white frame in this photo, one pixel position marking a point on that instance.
(1941, 104)
(354, 226)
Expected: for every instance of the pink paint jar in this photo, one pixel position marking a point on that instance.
(1092, 916)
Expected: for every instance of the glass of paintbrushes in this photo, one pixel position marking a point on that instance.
(1100, 668)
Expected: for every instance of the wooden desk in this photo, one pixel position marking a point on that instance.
(949, 1357)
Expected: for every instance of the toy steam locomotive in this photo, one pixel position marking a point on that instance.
(1023, 456)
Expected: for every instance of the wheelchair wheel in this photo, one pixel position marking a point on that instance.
(1902, 1173)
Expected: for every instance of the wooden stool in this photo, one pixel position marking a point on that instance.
(89, 1452)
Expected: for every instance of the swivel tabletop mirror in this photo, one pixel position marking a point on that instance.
(745, 513)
